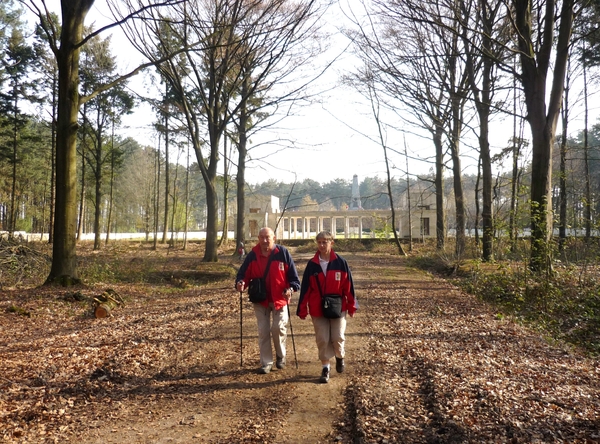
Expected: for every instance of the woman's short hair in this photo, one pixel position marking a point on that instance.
(325, 235)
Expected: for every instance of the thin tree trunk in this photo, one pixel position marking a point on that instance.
(167, 179)
(226, 161)
(174, 205)
(440, 223)
(112, 184)
(12, 226)
(53, 161)
(156, 196)
(515, 168)
(586, 154)
(476, 223)
(98, 188)
(562, 180)
(387, 169)
(187, 198)
(83, 146)
(410, 226)
(240, 231)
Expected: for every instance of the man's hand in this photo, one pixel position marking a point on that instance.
(240, 286)
(288, 292)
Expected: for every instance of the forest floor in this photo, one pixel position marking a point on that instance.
(425, 363)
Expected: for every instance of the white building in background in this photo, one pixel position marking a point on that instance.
(264, 211)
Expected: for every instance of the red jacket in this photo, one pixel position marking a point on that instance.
(282, 274)
(338, 281)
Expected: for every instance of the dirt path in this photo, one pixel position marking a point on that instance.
(210, 398)
(425, 364)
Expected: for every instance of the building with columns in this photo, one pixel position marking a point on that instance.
(358, 223)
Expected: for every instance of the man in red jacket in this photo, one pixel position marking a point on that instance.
(281, 282)
(327, 273)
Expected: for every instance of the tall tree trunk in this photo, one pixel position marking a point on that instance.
(482, 97)
(167, 179)
(226, 162)
(542, 120)
(187, 199)
(410, 226)
(53, 160)
(210, 253)
(515, 174)
(562, 180)
(174, 204)
(156, 196)
(477, 206)
(98, 190)
(487, 214)
(80, 221)
(459, 199)
(375, 110)
(440, 223)
(586, 159)
(240, 230)
(12, 216)
(64, 254)
(457, 101)
(111, 186)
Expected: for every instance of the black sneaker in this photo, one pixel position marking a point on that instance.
(280, 363)
(324, 375)
(339, 364)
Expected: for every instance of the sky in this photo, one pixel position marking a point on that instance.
(335, 138)
(325, 141)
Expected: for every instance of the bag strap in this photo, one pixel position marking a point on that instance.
(316, 275)
(268, 265)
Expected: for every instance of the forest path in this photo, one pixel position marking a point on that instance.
(425, 363)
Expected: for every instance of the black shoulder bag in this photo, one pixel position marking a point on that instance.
(257, 290)
(331, 304)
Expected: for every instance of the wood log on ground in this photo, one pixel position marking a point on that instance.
(107, 302)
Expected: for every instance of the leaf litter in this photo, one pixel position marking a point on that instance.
(426, 363)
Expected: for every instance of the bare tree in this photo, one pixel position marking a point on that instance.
(543, 33)
(411, 70)
(284, 42)
(66, 43)
(375, 107)
(415, 49)
(482, 27)
(226, 44)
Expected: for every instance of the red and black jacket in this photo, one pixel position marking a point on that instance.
(282, 274)
(337, 281)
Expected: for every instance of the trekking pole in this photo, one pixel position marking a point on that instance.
(241, 331)
(292, 330)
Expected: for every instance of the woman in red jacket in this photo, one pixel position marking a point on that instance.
(327, 273)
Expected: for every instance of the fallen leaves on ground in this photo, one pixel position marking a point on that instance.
(429, 365)
(441, 368)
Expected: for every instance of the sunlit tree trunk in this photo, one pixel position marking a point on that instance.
(536, 47)
(562, 180)
(240, 231)
(586, 158)
(167, 178)
(64, 257)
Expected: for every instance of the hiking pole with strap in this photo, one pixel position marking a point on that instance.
(241, 331)
(292, 331)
